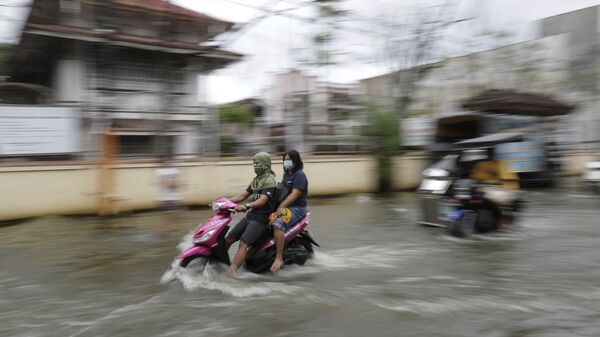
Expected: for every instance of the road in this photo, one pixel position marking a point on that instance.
(376, 274)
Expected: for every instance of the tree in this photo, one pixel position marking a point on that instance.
(328, 12)
(409, 49)
(383, 131)
(5, 52)
(236, 114)
(228, 145)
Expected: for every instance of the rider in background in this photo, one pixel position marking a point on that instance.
(501, 184)
(293, 207)
(169, 182)
(251, 227)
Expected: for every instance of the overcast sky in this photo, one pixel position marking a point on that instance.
(271, 45)
(276, 42)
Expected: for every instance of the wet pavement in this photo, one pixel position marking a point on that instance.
(376, 274)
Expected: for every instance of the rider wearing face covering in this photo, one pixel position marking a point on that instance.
(250, 228)
(265, 177)
(294, 205)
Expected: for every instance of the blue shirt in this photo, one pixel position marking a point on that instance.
(297, 180)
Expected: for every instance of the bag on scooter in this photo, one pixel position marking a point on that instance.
(281, 192)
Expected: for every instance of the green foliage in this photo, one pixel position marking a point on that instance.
(330, 11)
(326, 2)
(384, 132)
(421, 112)
(5, 51)
(227, 145)
(236, 114)
(322, 38)
(502, 34)
(324, 57)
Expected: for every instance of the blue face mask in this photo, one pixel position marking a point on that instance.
(287, 165)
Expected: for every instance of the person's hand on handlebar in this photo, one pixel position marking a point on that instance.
(241, 208)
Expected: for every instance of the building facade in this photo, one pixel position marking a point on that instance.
(538, 66)
(315, 116)
(581, 30)
(132, 69)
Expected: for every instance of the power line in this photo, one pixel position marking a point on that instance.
(236, 32)
(285, 13)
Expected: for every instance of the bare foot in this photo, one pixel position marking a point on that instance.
(230, 272)
(505, 225)
(276, 266)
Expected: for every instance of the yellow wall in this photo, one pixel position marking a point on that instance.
(408, 171)
(32, 191)
(575, 163)
(28, 191)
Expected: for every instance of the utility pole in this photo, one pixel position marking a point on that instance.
(107, 141)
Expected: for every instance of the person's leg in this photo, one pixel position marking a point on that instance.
(279, 236)
(236, 233)
(501, 198)
(229, 241)
(279, 229)
(506, 219)
(253, 229)
(238, 259)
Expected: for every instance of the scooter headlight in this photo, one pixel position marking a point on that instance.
(435, 173)
(205, 236)
(216, 205)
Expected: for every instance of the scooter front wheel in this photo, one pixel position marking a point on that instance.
(196, 262)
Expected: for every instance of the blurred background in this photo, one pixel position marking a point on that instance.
(116, 107)
(121, 81)
(114, 81)
(222, 78)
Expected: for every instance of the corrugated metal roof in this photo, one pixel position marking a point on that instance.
(74, 32)
(502, 101)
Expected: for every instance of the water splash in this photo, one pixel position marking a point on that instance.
(244, 285)
(443, 306)
(371, 256)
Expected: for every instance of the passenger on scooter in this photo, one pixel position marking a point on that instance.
(251, 227)
(293, 208)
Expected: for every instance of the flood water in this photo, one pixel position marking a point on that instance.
(376, 274)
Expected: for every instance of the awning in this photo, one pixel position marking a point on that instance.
(500, 101)
(458, 126)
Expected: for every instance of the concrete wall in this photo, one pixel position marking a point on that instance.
(33, 191)
(408, 171)
(574, 164)
(29, 191)
(582, 26)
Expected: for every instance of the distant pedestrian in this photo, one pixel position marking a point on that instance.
(169, 197)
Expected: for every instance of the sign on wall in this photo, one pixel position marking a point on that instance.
(522, 156)
(31, 130)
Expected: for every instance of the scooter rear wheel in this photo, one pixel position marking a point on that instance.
(302, 242)
(304, 251)
(196, 262)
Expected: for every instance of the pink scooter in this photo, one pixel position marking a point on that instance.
(209, 242)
